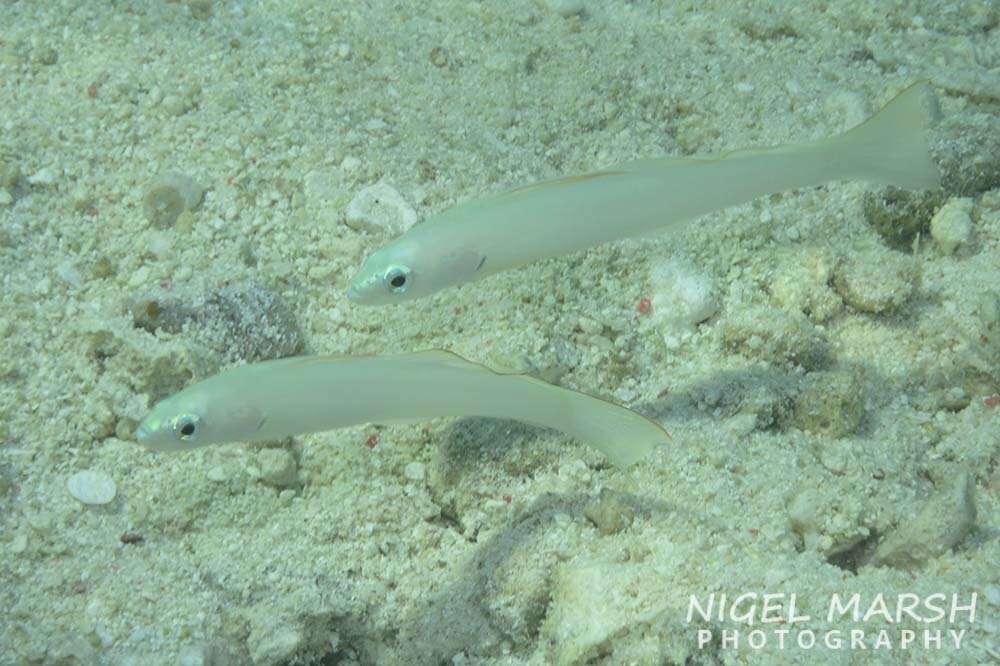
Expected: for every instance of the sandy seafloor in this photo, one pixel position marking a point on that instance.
(834, 418)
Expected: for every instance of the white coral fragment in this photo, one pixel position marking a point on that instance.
(380, 208)
(682, 299)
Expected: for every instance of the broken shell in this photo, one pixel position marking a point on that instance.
(92, 487)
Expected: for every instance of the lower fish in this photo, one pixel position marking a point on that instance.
(485, 236)
(277, 399)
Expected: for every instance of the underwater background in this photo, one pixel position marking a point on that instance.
(189, 185)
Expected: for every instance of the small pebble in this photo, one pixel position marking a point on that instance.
(198, 654)
(10, 174)
(565, 8)
(597, 603)
(801, 282)
(169, 195)
(590, 326)
(42, 522)
(72, 649)
(827, 521)
(44, 176)
(274, 643)
(350, 164)
(5, 198)
(140, 277)
(611, 512)
(217, 473)
(206, 654)
(945, 519)
(47, 56)
(775, 336)
(160, 244)
(952, 225)
(69, 274)
(19, 544)
(92, 487)
(277, 468)
(102, 268)
(876, 282)
(414, 471)
(682, 298)
(200, 9)
(828, 403)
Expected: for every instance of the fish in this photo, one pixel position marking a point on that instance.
(276, 399)
(481, 237)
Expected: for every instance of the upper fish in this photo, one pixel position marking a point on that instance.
(481, 237)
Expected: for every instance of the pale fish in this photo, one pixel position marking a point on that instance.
(276, 399)
(481, 237)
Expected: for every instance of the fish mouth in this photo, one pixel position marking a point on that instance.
(353, 294)
(146, 436)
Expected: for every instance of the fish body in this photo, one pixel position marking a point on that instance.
(276, 399)
(479, 238)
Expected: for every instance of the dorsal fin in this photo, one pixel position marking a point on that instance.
(564, 180)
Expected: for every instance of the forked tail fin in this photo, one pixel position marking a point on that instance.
(624, 436)
(891, 147)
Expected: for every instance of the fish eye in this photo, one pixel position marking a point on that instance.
(185, 426)
(396, 279)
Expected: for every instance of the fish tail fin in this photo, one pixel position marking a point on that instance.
(891, 147)
(622, 435)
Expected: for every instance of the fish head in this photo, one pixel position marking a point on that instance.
(408, 269)
(191, 420)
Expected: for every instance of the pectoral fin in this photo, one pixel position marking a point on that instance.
(464, 263)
